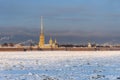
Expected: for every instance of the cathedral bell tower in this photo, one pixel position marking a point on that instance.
(42, 38)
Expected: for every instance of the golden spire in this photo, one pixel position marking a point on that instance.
(42, 38)
(42, 32)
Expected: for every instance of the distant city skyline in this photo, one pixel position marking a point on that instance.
(75, 18)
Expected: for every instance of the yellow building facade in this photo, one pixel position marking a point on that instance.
(51, 44)
(42, 41)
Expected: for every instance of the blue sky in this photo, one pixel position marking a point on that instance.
(89, 17)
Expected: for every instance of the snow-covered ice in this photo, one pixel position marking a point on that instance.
(60, 65)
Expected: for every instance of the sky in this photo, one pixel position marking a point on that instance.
(99, 18)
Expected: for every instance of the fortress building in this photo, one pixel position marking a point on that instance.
(51, 44)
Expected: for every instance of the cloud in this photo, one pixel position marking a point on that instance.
(81, 33)
(5, 38)
(73, 19)
(84, 16)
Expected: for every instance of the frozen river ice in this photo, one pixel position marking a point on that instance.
(60, 65)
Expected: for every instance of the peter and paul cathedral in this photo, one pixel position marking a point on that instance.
(51, 44)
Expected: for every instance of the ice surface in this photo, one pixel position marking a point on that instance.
(60, 65)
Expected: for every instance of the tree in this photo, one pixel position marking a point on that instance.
(5, 44)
